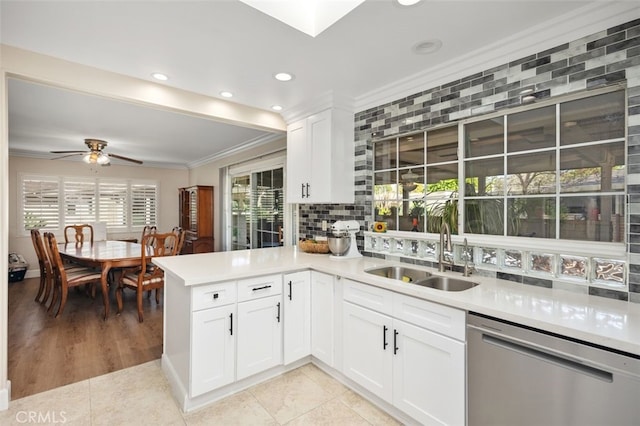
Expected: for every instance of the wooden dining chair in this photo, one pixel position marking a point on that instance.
(78, 233)
(66, 277)
(146, 231)
(180, 233)
(148, 276)
(46, 272)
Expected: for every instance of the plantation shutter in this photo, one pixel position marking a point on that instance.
(112, 203)
(144, 204)
(40, 203)
(79, 201)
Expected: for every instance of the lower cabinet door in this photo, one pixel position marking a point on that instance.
(429, 376)
(322, 322)
(212, 349)
(259, 335)
(368, 345)
(297, 316)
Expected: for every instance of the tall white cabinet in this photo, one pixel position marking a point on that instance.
(320, 158)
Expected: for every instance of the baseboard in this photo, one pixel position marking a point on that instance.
(5, 396)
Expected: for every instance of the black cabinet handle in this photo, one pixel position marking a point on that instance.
(290, 294)
(384, 338)
(308, 191)
(215, 296)
(231, 323)
(395, 341)
(278, 317)
(260, 288)
(302, 185)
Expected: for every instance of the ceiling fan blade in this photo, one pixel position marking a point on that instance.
(67, 152)
(68, 155)
(124, 158)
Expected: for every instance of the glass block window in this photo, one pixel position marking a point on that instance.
(541, 262)
(607, 271)
(512, 259)
(573, 267)
(489, 256)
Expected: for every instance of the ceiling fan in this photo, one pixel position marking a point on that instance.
(95, 155)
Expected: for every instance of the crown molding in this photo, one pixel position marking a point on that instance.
(262, 140)
(327, 100)
(590, 19)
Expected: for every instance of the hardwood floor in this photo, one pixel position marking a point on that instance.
(47, 352)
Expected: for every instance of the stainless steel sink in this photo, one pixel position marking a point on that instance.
(400, 273)
(446, 283)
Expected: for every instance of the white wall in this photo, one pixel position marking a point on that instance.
(210, 174)
(169, 181)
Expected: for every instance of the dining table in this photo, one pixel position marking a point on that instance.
(105, 255)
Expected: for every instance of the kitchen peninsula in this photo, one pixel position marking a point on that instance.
(217, 305)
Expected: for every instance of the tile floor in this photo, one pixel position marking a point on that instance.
(140, 396)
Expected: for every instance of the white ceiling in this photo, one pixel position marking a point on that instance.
(210, 46)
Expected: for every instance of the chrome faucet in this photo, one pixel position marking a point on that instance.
(445, 233)
(467, 269)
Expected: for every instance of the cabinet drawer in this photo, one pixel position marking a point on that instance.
(212, 295)
(368, 296)
(255, 288)
(432, 316)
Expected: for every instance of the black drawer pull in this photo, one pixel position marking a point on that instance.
(231, 323)
(384, 338)
(395, 343)
(290, 290)
(260, 288)
(215, 296)
(278, 317)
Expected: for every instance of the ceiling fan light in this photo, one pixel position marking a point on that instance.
(103, 159)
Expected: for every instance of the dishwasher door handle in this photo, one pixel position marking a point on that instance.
(551, 358)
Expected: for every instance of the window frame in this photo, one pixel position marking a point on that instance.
(612, 249)
(96, 183)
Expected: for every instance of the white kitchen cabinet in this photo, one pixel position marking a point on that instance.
(212, 336)
(213, 349)
(397, 354)
(297, 316)
(322, 317)
(428, 375)
(320, 158)
(368, 350)
(259, 335)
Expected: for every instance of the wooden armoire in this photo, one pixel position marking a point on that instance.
(196, 218)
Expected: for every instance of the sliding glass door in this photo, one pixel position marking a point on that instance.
(257, 209)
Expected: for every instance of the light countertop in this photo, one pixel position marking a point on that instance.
(611, 323)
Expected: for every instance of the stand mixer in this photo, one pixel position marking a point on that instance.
(340, 228)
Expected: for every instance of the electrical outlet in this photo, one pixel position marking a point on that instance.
(324, 225)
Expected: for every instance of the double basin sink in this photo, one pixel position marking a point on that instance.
(422, 278)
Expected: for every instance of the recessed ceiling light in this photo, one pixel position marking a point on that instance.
(160, 76)
(408, 2)
(276, 107)
(283, 76)
(526, 91)
(226, 94)
(427, 46)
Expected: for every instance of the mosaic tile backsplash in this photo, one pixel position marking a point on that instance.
(609, 56)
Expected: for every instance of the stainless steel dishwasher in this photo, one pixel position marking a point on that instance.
(523, 376)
